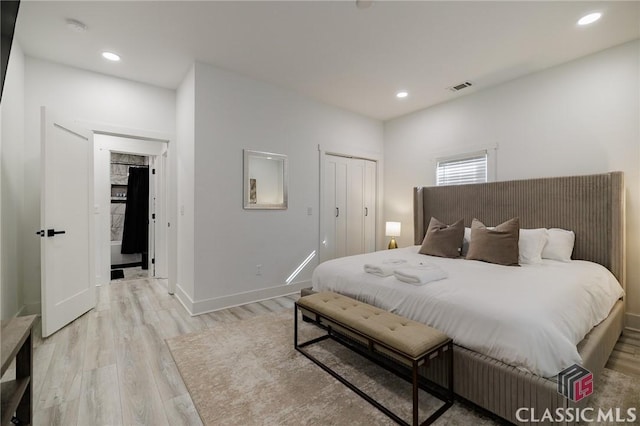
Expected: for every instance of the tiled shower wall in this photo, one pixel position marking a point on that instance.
(120, 164)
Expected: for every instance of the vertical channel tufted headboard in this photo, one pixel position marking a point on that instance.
(592, 206)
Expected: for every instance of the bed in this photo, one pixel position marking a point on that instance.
(500, 382)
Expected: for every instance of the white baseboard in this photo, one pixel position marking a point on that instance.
(224, 302)
(632, 321)
(184, 299)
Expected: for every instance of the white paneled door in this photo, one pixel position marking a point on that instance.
(348, 206)
(355, 207)
(66, 218)
(335, 207)
(369, 198)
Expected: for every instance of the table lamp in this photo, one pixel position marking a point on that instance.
(393, 230)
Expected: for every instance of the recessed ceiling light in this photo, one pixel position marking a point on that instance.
(111, 56)
(402, 94)
(364, 4)
(76, 26)
(590, 18)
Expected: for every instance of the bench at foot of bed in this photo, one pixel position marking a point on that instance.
(410, 344)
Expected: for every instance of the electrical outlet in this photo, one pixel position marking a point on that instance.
(258, 269)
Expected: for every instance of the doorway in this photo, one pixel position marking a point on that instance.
(129, 176)
(128, 242)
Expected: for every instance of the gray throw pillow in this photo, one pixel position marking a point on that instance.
(498, 245)
(443, 240)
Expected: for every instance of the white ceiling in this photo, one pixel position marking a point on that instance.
(329, 50)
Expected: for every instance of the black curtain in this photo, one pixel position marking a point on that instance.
(135, 235)
(8, 17)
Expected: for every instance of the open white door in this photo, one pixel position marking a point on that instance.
(153, 197)
(66, 249)
(162, 258)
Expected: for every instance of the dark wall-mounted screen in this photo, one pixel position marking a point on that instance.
(9, 14)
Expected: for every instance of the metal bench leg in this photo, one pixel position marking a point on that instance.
(295, 326)
(451, 394)
(414, 374)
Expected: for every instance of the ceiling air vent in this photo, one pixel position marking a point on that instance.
(459, 87)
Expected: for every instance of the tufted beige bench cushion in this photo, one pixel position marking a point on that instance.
(411, 338)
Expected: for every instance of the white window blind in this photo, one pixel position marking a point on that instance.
(471, 168)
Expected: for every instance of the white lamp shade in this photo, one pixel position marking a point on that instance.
(393, 229)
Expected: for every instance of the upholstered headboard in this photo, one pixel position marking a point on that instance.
(592, 206)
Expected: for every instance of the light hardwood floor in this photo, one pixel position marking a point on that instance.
(111, 366)
(625, 357)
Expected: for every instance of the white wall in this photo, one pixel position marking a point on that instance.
(85, 97)
(1, 192)
(185, 123)
(232, 113)
(11, 171)
(582, 117)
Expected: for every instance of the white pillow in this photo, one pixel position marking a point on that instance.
(530, 245)
(465, 241)
(559, 245)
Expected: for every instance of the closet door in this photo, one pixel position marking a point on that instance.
(370, 186)
(355, 207)
(349, 207)
(335, 206)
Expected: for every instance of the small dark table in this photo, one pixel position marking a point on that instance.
(16, 395)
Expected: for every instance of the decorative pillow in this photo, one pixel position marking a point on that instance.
(559, 245)
(498, 245)
(443, 240)
(530, 245)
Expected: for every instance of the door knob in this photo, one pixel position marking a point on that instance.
(53, 232)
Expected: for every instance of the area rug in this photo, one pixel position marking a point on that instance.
(247, 373)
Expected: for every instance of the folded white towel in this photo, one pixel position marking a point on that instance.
(419, 275)
(384, 268)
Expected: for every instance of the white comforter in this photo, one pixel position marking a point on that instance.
(531, 316)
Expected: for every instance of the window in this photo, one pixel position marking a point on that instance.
(462, 169)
